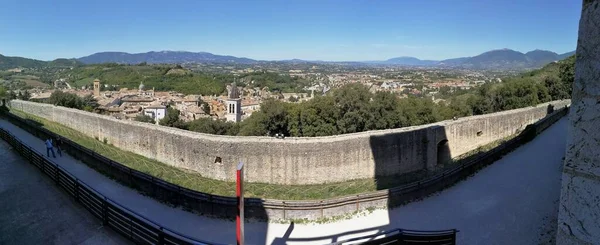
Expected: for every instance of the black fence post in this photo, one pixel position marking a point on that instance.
(212, 205)
(77, 190)
(153, 186)
(130, 178)
(161, 236)
(105, 211)
(179, 195)
(56, 174)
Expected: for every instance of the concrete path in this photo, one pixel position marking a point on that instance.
(513, 201)
(33, 210)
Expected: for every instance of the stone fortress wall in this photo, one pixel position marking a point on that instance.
(579, 207)
(299, 160)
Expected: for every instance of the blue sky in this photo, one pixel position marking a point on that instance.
(308, 29)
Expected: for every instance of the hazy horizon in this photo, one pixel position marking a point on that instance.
(283, 30)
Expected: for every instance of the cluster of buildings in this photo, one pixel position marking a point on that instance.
(241, 102)
(127, 104)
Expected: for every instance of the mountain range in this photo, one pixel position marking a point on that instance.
(495, 59)
(500, 59)
(167, 57)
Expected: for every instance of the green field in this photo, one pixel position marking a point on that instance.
(25, 81)
(82, 82)
(160, 77)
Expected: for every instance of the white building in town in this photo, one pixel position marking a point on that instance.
(156, 112)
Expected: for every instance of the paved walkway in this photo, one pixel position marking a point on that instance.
(33, 210)
(513, 201)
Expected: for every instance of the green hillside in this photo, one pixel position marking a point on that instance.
(152, 76)
(7, 62)
(64, 63)
(551, 70)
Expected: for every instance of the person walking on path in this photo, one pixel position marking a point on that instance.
(49, 148)
(58, 144)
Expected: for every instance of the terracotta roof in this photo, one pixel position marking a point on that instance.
(137, 99)
(115, 109)
(250, 102)
(156, 107)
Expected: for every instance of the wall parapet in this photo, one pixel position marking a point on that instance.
(225, 207)
(297, 161)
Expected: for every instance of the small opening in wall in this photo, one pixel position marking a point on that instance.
(443, 152)
(479, 133)
(217, 159)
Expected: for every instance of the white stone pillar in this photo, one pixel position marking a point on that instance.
(579, 208)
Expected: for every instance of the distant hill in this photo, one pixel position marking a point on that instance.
(162, 57)
(410, 61)
(541, 57)
(7, 62)
(453, 62)
(496, 59)
(65, 62)
(508, 59)
(566, 55)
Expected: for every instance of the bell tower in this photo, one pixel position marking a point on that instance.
(234, 104)
(96, 88)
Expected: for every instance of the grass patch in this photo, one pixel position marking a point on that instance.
(36, 83)
(326, 220)
(83, 82)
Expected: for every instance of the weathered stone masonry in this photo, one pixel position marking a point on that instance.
(579, 209)
(298, 160)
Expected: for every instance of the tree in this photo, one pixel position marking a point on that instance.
(556, 88)
(60, 98)
(567, 74)
(482, 102)
(12, 95)
(253, 126)
(24, 95)
(384, 110)
(3, 92)
(353, 103)
(274, 119)
(89, 103)
(209, 126)
(319, 117)
(144, 118)
(459, 105)
(519, 93)
(172, 119)
(417, 111)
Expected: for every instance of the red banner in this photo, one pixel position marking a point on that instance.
(240, 204)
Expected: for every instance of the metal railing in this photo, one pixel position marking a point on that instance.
(404, 237)
(128, 223)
